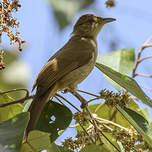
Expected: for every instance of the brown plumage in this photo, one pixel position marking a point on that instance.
(68, 66)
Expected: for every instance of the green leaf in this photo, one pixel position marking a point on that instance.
(126, 82)
(9, 111)
(106, 112)
(15, 75)
(65, 10)
(54, 119)
(94, 148)
(55, 148)
(135, 107)
(146, 114)
(36, 142)
(12, 131)
(139, 122)
(121, 60)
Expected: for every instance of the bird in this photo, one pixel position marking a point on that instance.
(69, 66)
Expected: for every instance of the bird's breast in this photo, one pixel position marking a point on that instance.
(72, 79)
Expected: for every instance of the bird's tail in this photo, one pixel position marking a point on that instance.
(36, 108)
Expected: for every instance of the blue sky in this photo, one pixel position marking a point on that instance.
(40, 30)
(43, 38)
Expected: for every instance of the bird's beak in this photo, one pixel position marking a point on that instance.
(107, 20)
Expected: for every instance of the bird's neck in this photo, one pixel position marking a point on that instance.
(77, 36)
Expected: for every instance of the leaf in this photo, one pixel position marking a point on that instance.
(106, 112)
(12, 131)
(135, 107)
(139, 123)
(55, 148)
(9, 111)
(13, 77)
(54, 119)
(126, 82)
(121, 60)
(94, 148)
(65, 10)
(36, 141)
(146, 114)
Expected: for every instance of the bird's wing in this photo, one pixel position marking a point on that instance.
(72, 56)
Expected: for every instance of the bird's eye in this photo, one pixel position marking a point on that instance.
(90, 20)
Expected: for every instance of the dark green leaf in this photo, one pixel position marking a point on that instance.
(54, 119)
(126, 82)
(12, 131)
(146, 114)
(139, 122)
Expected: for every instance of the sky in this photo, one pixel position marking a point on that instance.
(39, 28)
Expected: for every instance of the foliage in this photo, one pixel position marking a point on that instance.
(8, 22)
(64, 15)
(115, 124)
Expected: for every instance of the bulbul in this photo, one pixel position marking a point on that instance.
(69, 66)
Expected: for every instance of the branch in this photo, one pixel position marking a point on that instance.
(144, 58)
(84, 103)
(88, 93)
(98, 107)
(92, 121)
(58, 95)
(139, 59)
(143, 75)
(1, 53)
(22, 100)
(105, 121)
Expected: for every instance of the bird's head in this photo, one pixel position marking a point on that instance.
(89, 25)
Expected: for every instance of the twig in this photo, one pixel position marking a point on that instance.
(16, 101)
(88, 93)
(14, 90)
(83, 101)
(1, 53)
(67, 101)
(86, 132)
(94, 99)
(77, 110)
(8, 23)
(143, 75)
(107, 127)
(104, 121)
(108, 140)
(98, 107)
(2, 66)
(80, 98)
(145, 45)
(96, 126)
(59, 100)
(113, 115)
(144, 58)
